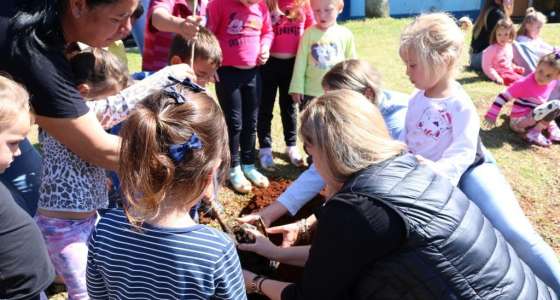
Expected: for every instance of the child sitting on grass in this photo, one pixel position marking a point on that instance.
(497, 59)
(174, 144)
(531, 113)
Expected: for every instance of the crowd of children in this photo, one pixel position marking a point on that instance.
(177, 144)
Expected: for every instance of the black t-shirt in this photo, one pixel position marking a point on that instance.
(44, 71)
(482, 41)
(25, 267)
(352, 233)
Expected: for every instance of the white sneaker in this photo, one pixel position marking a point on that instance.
(266, 160)
(295, 156)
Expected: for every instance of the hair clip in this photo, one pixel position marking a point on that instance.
(177, 151)
(557, 54)
(171, 91)
(188, 83)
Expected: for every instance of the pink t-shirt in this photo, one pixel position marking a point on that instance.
(497, 59)
(287, 32)
(527, 89)
(243, 31)
(157, 43)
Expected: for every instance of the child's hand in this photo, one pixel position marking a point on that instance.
(499, 80)
(489, 122)
(297, 98)
(263, 57)
(519, 69)
(189, 28)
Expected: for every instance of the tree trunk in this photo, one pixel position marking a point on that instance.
(377, 8)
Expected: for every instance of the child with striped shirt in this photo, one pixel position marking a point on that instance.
(173, 147)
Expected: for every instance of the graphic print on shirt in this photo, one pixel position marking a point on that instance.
(238, 25)
(324, 54)
(434, 122)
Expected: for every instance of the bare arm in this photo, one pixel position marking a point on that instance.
(85, 137)
(166, 22)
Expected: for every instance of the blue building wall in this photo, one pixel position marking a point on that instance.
(459, 8)
(353, 9)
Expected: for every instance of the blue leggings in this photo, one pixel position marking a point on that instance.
(488, 188)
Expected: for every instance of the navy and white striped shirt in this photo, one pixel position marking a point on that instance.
(197, 262)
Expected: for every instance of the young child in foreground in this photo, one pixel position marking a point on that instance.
(441, 123)
(322, 46)
(497, 59)
(532, 112)
(174, 144)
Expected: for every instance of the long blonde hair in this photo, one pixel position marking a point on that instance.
(14, 100)
(531, 16)
(436, 40)
(349, 131)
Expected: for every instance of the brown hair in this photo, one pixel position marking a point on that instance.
(99, 68)
(481, 20)
(295, 11)
(14, 100)
(552, 59)
(356, 75)
(531, 16)
(506, 24)
(349, 131)
(206, 47)
(150, 177)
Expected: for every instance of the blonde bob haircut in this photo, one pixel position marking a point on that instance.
(14, 100)
(531, 16)
(436, 41)
(349, 131)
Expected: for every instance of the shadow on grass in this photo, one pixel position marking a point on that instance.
(496, 137)
(471, 79)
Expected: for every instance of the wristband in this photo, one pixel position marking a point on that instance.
(259, 286)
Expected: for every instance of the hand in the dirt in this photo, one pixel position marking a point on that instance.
(289, 233)
(488, 124)
(297, 98)
(261, 246)
(252, 219)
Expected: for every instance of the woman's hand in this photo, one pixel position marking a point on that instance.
(262, 246)
(189, 28)
(289, 233)
(248, 277)
(253, 218)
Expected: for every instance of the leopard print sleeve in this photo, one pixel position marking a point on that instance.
(115, 109)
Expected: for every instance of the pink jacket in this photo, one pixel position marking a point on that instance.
(497, 60)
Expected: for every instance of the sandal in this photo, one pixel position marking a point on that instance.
(256, 177)
(266, 160)
(238, 181)
(295, 156)
(536, 137)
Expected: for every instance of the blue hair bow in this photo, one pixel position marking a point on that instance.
(171, 91)
(177, 151)
(188, 83)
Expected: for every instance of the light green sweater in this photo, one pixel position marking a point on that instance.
(318, 52)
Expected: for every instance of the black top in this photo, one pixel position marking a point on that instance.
(353, 231)
(25, 267)
(482, 41)
(44, 71)
(7, 8)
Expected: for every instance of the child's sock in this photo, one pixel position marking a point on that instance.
(266, 160)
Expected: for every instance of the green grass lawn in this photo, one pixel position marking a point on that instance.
(532, 172)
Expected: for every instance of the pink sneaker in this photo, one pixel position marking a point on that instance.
(536, 137)
(554, 132)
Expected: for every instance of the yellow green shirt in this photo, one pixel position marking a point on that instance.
(318, 52)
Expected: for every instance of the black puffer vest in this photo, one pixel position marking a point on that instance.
(452, 251)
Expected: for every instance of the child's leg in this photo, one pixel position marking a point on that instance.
(270, 80)
(250, 95)
(229, 95)
(288, 111)
(522, 125)
(67, 244)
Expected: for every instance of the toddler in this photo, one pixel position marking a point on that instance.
(244, 30)
(529, 32)
(322, 46)
(174, 144)
(531, 113)
(441, 123)
(289, 20)
(497, 59)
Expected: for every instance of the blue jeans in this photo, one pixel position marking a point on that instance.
(140, 26)
(23, 177)
(488, 188)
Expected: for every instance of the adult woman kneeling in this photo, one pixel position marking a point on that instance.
(393, 228)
